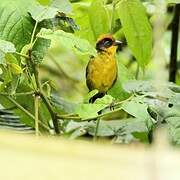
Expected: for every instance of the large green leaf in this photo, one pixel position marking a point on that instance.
(40, 13)
(136, 109)
(68, 40)
(89, 110)
(62, 5)
(5, 47)
(125, 130)
(82, 19)
(99, 19)
(137, 30)
(16, 26)
(40, 49)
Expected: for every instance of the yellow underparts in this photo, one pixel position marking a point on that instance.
(102, 71)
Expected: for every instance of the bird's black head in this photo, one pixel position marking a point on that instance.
(107, 42)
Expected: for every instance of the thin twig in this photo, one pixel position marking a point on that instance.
(96, 129)
(22, 55)
(36, 114)
(77, 118)
(33, 33)
(137, 72)
(44, 98)
(17, 94)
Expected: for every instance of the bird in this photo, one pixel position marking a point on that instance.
(102, 69)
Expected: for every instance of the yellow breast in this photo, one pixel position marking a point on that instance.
(101, 72)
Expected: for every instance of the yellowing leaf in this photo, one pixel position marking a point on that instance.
(15, 69)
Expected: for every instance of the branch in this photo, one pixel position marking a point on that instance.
(174, 44)
(17, 94)
(36, 114)
(40, 92)
(22, 55)
(77, 118)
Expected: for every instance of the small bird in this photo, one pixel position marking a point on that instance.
(101, 71)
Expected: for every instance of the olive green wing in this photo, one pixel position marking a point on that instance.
(89, 83)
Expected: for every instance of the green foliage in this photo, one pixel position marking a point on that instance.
(62, 5)
(5, 47)
(44, 48)
(123, 76)
(68, 40)
(40, 13)
(99, 19)
(16, 26)
(137, 30)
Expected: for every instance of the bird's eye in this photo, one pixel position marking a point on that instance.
(107, 43)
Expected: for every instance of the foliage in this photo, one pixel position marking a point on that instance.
(44, 48)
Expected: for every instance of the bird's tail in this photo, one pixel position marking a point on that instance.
(98, 95)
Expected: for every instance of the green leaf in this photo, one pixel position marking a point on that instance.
(137, 30)
(40, 49)
(89, 110)
(40, 13)
(5, 47)
(107, 99)
(77, 129)
(68, 40)
(44, 2)
(16, 25)
(99, 19)
(136, 109)
(175, 100)
(82, 19)
(138, 86)
(62, 5)
(90, 95)
(174, 129)
(123, 76)
(61, 105)
(126, 130)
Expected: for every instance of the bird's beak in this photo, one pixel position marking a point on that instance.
(118, 43)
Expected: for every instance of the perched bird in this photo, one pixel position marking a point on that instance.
(101, 71)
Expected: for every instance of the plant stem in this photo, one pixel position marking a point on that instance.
(33, 33)
(36, 114)
(22, 55)
(52, 113)
(17, 94)
(96, 130)
(77, 118)
(174, 44)
(137, 72)
(44, 98)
